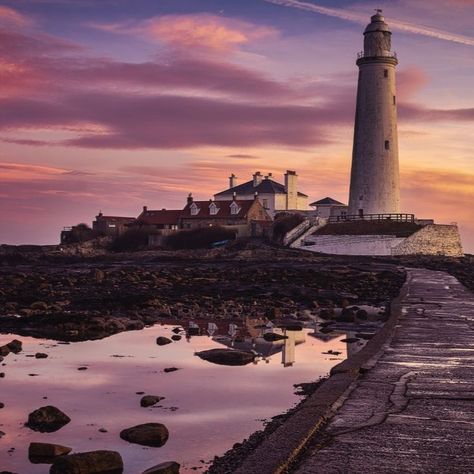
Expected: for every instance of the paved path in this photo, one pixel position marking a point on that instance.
(413, 412)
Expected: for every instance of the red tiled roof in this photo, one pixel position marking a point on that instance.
(159, 217)
(224, 209)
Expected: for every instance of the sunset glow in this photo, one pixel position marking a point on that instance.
(113, 105)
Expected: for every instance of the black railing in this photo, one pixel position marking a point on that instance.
(373, 217)
(384, 54)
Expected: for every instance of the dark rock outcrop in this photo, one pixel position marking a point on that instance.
(46, 453)
(47, 419)
(163, 341)
(170, 467)
(148, 434)
(150, 400)
(92, 462)
(227, 356)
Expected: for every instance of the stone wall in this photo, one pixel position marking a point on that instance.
(434, 239)
(352, 244)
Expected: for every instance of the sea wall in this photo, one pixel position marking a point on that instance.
(434, 239)
(353, 244)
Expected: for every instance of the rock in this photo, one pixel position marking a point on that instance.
(326, 313)
(45, 453)
(39, 305)
(170, 467)
(290, 325)
(350, 340)
(2, 405)
(4, 351)
(82, 368)
(227, 356)
(150, 400)
(15, 346)
(170, 369)
(148, 434)
(347, 316)
(99, 275)
(273, 336)
(92, 462)
(177, 330)
(47, 419)
(41, 355)
(162, 341)
(176, 337)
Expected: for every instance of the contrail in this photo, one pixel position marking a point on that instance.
(357, 18)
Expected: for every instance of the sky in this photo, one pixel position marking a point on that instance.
(115, 104)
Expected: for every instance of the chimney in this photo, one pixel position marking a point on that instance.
(257, 178)
(190, 198)
(232, 181)
(290, 190)
(145, 208)
(269, 176)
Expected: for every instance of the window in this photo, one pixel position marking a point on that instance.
(265, 203)
(385, 73)
(194, 209)
(387, 145)
(112, 225)
(394, 100)
(234, 208)
(213, 209)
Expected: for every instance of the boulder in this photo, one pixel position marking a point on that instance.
(41, 355)
(92, 462)
(15, 346)
(227, 356)
(47, 419)
(347, 316)
(362, 314)
(170, 467)
(176, 337)
(45, 453)
(170, 369)
(162, 341)
(150, 400)
(148, 434)
(273, 336)
(4, 351)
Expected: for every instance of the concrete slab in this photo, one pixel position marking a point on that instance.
(413, 411)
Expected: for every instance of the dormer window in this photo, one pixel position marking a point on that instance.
(194, 209)
(213, 209)
(234, 208)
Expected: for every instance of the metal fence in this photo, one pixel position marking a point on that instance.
(374, 217)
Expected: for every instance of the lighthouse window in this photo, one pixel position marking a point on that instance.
(385, 73)
(387, 145)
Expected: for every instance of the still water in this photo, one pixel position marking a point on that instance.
(207, 407)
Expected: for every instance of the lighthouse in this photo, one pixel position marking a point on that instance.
(375, 184)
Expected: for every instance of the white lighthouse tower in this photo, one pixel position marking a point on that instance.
(375, 185)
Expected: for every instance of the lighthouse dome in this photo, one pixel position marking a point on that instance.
(377, 23)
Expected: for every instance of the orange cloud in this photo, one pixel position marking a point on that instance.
(21, 172)
(202, 30)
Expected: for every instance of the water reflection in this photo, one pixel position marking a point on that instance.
(207, 408)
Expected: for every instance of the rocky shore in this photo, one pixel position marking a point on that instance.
(94, 298)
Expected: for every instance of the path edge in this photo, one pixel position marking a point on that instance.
(280, 449)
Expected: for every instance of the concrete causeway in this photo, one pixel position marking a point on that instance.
(413, 410)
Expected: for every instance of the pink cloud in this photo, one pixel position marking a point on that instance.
(11, 17)
(200, 30)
